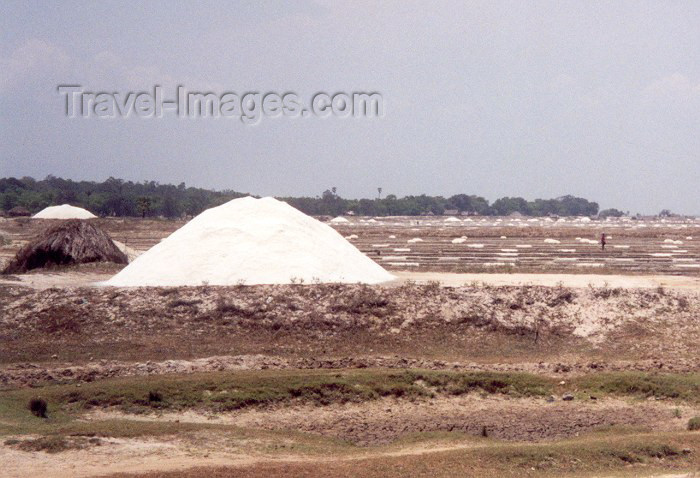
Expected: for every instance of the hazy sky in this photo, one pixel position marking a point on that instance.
(532, 99)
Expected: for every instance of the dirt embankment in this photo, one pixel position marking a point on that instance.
(29, 374)
(481, 324)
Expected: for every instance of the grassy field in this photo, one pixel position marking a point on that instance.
(627, 450)
(228, 391)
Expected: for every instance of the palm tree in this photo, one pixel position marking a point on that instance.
(143, 205)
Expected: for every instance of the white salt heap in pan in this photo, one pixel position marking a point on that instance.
(64, 211)
(251, 241)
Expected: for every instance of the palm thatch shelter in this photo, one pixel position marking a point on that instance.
(18, 211)
(70, 242)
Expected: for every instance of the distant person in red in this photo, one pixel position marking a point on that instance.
(602, 241)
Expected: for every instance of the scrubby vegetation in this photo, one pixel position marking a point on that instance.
(38, 407)
(226, 391)
(694, 424)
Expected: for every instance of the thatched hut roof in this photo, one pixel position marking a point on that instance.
(70, 242)
(18, 211)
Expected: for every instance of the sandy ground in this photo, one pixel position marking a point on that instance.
(46, 280)
(552, 280)
(115, 456)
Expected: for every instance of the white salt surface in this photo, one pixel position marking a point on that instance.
(64, 211)
(251, 241)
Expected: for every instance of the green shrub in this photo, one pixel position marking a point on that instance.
(694, 424)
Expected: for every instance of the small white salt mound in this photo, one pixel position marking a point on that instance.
(452, 219)
(552, 241)
(64, 211)
(671, 241)
(622, 247)
(414, 240)
(339, 220)
(459, 240)
(689, 238)
(251, 241)
(392, 237)
(504, 237)
(476, 246)
(130, 252)
(351, 236)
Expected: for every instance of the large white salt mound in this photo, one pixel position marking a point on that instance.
(251, 241)
(64, 211)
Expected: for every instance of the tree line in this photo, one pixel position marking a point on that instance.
(116, 197)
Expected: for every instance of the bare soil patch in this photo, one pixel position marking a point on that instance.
(384, 421)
